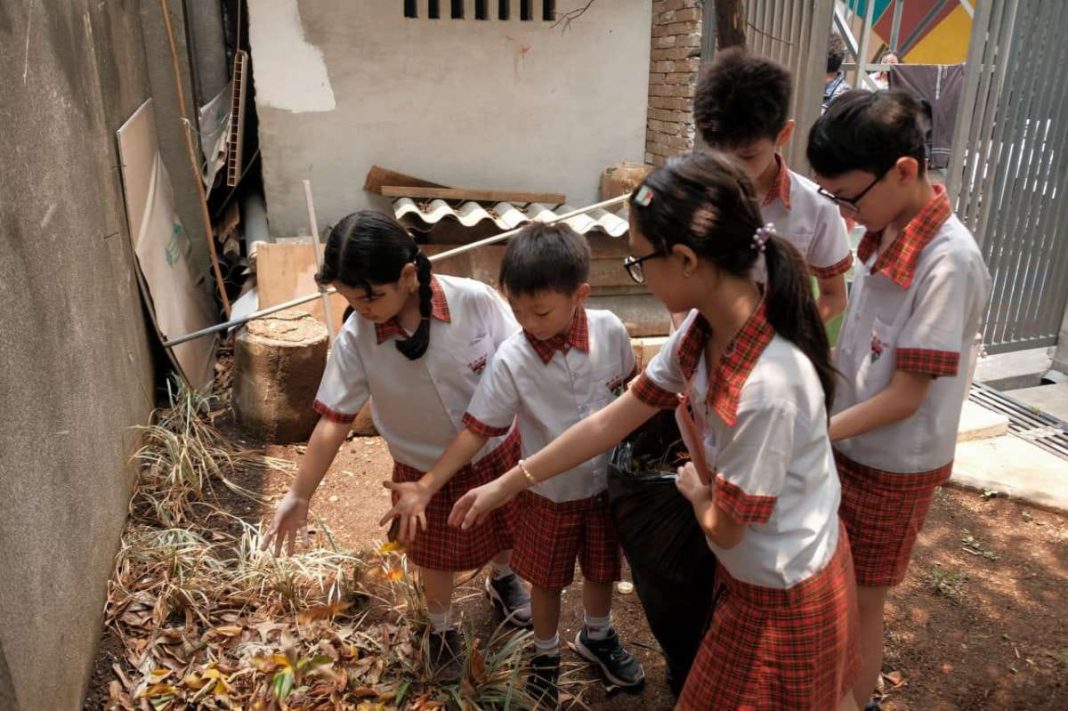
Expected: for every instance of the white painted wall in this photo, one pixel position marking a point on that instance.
(344, 84)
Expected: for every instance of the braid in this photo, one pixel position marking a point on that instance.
(414, 347)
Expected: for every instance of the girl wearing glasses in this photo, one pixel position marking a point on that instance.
(750, 375)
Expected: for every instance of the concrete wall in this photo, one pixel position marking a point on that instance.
(76, 373)
(342, 85)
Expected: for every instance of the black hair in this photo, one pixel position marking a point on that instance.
(740, 98)
(706, 202)
(368, 249)
(835, 53)
(868, 131)
(545, 258)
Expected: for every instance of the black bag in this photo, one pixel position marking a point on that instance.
(671, 564)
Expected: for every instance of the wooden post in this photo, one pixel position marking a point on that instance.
(730, 23)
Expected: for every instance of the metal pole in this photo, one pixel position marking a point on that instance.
(435, 258)
(313, 225)
(862, 52)
(895, 28)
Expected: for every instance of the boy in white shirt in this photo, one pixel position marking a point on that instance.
(567, 363)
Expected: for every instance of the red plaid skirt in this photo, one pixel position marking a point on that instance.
(884, 513)
(550, 536)
(444, 547)
(772, 650)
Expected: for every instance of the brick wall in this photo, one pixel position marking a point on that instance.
(675, 58)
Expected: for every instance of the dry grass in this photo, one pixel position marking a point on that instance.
(208, 621)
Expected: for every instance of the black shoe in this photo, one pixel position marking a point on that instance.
(542, 683)
(513, 600)
(872, 705)
(616, 663)
(444, 657)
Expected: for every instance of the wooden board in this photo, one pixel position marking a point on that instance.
(424, 193)
(287, 270)
(379, 176)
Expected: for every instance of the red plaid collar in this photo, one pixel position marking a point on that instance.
(439, 309)
(578, 336)
(898, 261)
(780, 189)
(737, 362)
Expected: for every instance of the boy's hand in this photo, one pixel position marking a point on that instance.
(690, 485)
(412, 500)
(290, 517)
(476, 505)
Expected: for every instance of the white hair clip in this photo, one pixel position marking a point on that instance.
(644, 196)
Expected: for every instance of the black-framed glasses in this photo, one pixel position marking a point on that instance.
(852, 204)
(633, 265)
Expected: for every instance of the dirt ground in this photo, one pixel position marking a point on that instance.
(980, 623)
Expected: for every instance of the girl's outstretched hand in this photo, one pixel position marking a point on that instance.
(477, 504)
(290, 517)
(412, 500)
(690, 485)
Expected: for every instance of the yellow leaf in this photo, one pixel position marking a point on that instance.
(159, 690)
(160, 674)
(221, 688)
(391, 547)
(194, 682)
(212, 673)
(281, 660)
(395, 574)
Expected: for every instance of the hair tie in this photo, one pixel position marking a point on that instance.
(760, 237)
(644, 196)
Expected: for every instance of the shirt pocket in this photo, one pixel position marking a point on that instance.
(876, 362)
(603, 381)
(473, 358)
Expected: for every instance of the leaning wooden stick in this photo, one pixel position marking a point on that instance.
(317, 247)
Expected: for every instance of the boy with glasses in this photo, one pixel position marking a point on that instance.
(905, 347)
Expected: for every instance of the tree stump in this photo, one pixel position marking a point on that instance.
(278, 363)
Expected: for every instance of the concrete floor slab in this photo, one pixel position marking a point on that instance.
(977, 422)
(1010, 465)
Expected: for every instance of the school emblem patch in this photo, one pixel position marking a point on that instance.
(877, 347)
(479, 365)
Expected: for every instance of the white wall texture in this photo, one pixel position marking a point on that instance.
(342, 85)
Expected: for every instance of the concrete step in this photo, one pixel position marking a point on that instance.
(1051, 399)
(977, 422)
(1015, 467)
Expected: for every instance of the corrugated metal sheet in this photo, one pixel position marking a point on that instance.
(424, 216)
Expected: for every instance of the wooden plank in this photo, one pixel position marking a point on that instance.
(285, 271)
(429, 193)
(378, 176)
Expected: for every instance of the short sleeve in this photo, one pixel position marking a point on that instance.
(500, 323)
(930, 341)
(492, 410)
(829, 254)
(751, 465)
(343, 389)
(661, 381)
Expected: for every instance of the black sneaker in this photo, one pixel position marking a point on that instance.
(542, 683)
(444, 656)
(511, 598)
(616, 663)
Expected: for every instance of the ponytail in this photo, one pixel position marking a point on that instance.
(414, 347)
(792, 311)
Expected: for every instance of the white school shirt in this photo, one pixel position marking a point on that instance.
(546, 398)
(765, 437)
(418, 405)
(916, 307)
(809, 222)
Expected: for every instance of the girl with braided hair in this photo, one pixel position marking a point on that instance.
(417, 345)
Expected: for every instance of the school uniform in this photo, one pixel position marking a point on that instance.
(783, 633)
(808, 221)
(547, 386)
(418, 407)
(916, 306)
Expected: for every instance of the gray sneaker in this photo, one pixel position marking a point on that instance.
(617, 664)
(444, 656)
(511, 598)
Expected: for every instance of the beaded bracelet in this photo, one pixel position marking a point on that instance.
(527, 474)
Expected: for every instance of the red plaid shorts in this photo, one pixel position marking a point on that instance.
(444, 547)
(550, 536)
(884, 513)
(771, 649)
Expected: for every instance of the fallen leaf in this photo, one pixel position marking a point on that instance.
(894, 678)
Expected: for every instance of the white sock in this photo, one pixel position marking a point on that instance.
(439, 621)
(597, 627)
(501, 570)
(549, 647)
